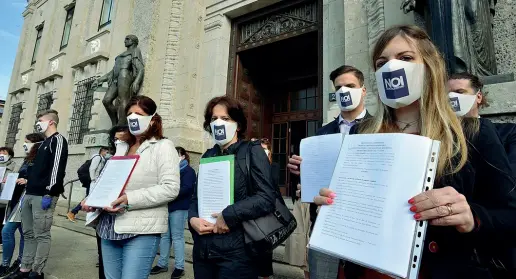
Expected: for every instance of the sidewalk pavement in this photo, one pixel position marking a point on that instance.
(74, 255)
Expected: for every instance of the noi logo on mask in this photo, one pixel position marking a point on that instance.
(134, 124)
(455, 103)
(395, 84)
(345, 99)
(219, 132)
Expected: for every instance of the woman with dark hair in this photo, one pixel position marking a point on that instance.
(177, 213)
(31, 145)
(130, 230)
(219, 249)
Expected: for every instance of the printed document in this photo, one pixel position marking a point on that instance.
(111, 182)
(320, 154)
(369, 222)
(8, 187)
(215, 186)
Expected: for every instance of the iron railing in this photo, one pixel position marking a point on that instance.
(81, 115)
(14, 121)
(71, 182)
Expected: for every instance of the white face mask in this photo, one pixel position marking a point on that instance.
(27, 146)
(348, 98)
(223, 131)
(138, 124)
(400, 83)
(121, 148)
(4, 158)
(42, 127)
(462, 103)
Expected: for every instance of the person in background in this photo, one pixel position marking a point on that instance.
(466, 92)
(219, 250)
(44, 185)
(121, 139)
(350, 94)
(264, 261)
(6, 156)
(97, 163)
(472, 203)
(130, 230)
(177, 213)
(31, 145)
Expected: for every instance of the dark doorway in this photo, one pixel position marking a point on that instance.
(278, 80)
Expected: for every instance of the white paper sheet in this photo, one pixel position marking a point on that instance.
(16, 213)
(213, 190)
(110, 183)
(8, 187)
(370, 222)
(320, 154)
(2, 173)
(91, 217)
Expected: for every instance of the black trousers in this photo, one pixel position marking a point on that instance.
(232, 265)
(101, 265)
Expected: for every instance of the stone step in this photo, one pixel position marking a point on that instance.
(281, 268)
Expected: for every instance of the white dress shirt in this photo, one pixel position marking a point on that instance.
(345, 126)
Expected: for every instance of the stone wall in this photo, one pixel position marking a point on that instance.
(504, 33)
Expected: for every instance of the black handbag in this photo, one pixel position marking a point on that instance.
(266, 233)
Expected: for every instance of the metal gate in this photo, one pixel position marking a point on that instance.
(81, 115)
(14, 121)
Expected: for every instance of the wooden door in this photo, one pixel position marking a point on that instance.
(247, 93)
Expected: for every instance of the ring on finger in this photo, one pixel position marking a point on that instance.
(450, 209)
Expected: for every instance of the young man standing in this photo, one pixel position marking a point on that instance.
(350, 94)
(44, 185)
(467, 97)
(97, 163)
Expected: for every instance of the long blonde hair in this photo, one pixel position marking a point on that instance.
(438, 121)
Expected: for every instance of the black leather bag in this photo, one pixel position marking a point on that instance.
(268, 232)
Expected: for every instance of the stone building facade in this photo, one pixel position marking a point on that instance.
(189, 50)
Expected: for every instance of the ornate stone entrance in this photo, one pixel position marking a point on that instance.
(274, 69)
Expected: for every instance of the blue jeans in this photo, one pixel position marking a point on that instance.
(129, 258)
(176, 232)
(9, 242)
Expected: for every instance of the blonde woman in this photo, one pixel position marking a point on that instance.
(460, 218)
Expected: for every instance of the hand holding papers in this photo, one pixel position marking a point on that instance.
(8, 187)
(370, 222)
(215, 187)
(111, 182)
(319, 155)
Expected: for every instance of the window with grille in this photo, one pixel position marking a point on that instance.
(105, 14)
(81, 116)
(67, 27)
(36, 45)
(12, 128)
(44, 103)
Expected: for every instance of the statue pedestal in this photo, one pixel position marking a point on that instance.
(94, 141)
(501, 98)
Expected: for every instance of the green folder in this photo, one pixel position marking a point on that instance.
(231, 160)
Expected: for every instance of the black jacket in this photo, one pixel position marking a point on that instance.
(47, 174)
(330, 128)
(507, 134)
(245, 207)
(487, 187)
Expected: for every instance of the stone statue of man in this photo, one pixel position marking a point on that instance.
(463, 31)
(124, 81)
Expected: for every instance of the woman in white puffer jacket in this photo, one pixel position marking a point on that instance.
(131, 236)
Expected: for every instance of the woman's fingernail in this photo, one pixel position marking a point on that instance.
(411, 201)
(329, 201)
(417, 216)
(413, 208)
(333, 195)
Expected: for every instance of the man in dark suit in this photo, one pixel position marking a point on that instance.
(469, 84)
(350, 94)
